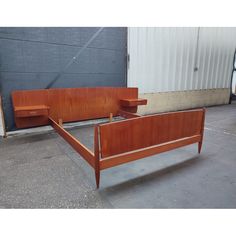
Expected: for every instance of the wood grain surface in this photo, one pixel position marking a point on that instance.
(75, 143)
(71, 104)
(146, 152)
(137, 133)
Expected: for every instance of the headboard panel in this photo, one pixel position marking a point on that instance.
(137, 133)
(68, 104)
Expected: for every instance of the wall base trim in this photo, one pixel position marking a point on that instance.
(180, 100)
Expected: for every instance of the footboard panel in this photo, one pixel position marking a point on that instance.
(143, 132)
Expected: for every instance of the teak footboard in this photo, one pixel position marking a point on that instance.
(138, 137)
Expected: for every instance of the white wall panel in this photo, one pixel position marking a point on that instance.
(216, 51)
(163, 59)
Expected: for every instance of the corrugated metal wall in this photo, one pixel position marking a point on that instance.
(178, 59)
(30, 58)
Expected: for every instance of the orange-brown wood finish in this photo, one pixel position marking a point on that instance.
(148, 135)
(117, 142)
(127, 115)
(137, 133)
(69, 104)
(202, 130)
(29, 111)
(96, 155)
(146, 152)
(79, 147)
(111, 117)
(133, 102)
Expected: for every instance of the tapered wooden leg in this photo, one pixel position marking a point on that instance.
(199, 147)
(202, 130)
(97, 176)
(96, 156)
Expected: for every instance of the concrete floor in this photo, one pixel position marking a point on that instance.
(43, 171)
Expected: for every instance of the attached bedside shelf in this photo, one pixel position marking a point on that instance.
(30, 111)
(133, 102)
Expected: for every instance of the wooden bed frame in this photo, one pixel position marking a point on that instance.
(115, 143)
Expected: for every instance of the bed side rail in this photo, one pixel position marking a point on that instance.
(79, 147)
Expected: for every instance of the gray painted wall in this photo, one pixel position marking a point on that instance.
(31, 57)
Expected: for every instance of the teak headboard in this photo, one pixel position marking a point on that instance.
(32, 107)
